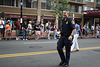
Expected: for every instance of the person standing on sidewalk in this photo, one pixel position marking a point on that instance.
(25, 30)
(87, 29)
(8, 30)
(1, 27)
(55, 30)
(68, 30)
(84, 31)
(49, 30)
(76, 35)
(97, 30)
(4, 26)
(17, 28)
(42, 28)
(92, 29)
(46, 28)
(37, 30)
(30, 30)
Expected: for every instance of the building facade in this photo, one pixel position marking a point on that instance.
(92, 12)
(40, 9)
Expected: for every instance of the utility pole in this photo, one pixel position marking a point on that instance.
(21, 20)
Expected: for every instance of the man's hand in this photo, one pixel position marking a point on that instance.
(70, 37)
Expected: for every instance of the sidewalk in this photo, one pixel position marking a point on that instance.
(13, 36)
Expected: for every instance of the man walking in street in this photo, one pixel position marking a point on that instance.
(75, 41)
(68, 30)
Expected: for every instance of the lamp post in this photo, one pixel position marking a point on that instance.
(21, 20)
(43, 17)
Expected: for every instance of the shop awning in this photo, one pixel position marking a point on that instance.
(92, 13)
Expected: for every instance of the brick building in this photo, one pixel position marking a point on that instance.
(37, 9)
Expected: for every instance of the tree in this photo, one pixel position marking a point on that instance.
(58, 6)
(3, 14)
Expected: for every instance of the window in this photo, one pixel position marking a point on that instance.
(43, 4)
(7, 2)
(80, 9)
(88, 8)
(28, 3)
(1, 2)
(46, 4)
(89, 0)
(92, 0)
(35, 4)
(72, 8)
(76, 8)
(98, 2)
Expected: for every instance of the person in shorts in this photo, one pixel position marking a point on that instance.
(42, 28)
(8, 30)
(17, 28)
(97, 31)
(37, 30)
(1, 27)
(29, 30)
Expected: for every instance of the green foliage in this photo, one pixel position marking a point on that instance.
(59, 7)
(3, 14)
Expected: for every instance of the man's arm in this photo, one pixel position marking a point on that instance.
(71, 36)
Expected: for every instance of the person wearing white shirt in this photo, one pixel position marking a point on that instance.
(97, 30)
(29, 30)
(42, 28)
(58, 34)
(1, 27)
(46, 25)
(92, 29)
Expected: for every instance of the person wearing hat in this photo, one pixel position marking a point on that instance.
(8, 30)
(11, 23)
(29, 30)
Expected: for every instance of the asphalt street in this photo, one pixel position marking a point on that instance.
(42, 53)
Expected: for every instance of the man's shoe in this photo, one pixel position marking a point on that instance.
(77, 50)
(61, 63)
(66, 65)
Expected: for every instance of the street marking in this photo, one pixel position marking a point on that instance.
(39, 53)
(37, 42)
